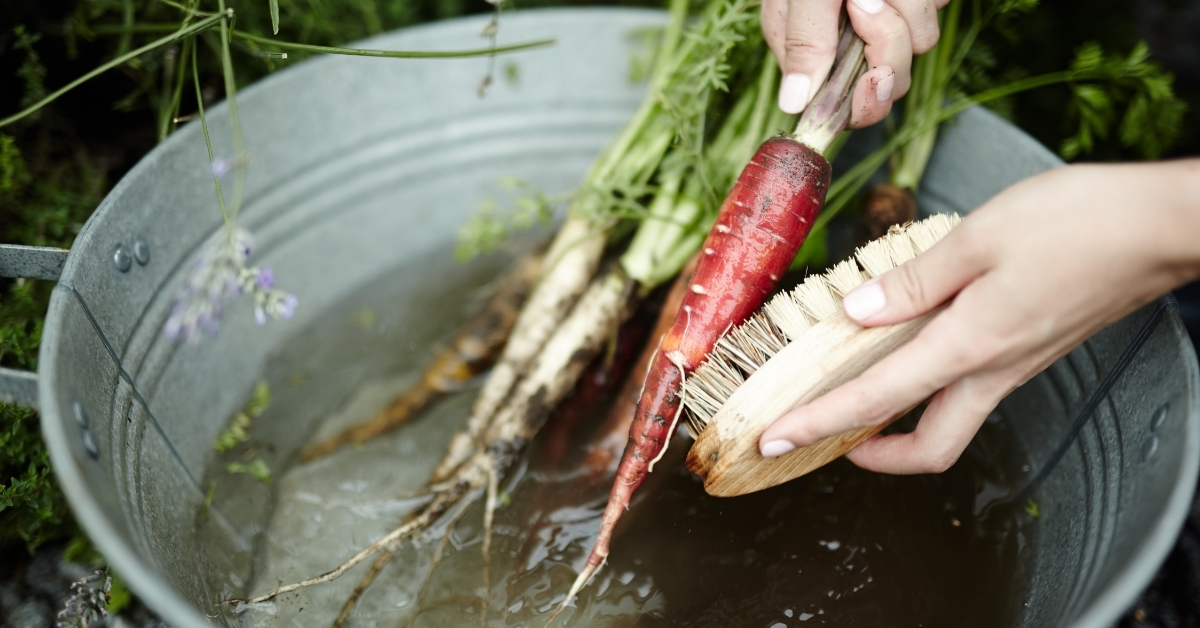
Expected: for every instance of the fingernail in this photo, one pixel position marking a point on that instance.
(869, 6)
(793, 93)
(883, 89)
(776, 448)
(865, 301)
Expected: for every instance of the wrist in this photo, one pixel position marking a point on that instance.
(1172, 198)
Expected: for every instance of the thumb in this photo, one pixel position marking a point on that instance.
(918, 285)
(810, 43)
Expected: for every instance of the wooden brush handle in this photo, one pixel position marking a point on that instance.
(833, 352)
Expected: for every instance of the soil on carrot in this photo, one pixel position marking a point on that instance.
(839, 547)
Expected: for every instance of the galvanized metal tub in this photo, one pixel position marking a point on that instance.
(367, 166)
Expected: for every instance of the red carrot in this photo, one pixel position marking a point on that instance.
(597, 384)
(758, 231)
(613, 433)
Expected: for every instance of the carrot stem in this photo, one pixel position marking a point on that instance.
(829, 112)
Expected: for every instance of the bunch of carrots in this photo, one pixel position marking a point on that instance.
(708, 124)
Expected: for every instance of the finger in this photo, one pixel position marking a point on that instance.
(773, 16)
(884, 391)
(872, 97)
(810, 43)
(922, 283)
(940, 3)
(921, 16)
(888, 43)
(944, 431)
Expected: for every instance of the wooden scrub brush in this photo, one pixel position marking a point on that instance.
(797, 347)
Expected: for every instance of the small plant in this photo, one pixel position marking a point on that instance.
(257, 467)
(238, 430)
(32, 508)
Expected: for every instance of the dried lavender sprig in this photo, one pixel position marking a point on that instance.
(87, 606)
(269, 301)
(219, 274)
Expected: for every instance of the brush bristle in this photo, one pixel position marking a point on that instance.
(789, 315)
(845, 277)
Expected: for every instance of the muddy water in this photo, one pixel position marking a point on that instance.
(840, 547)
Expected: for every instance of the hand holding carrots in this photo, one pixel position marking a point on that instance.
(803, 34)
(1029, 276)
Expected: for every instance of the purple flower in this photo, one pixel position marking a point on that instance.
(221, 166)
(287, 307)
(220, 273)
(265, 278)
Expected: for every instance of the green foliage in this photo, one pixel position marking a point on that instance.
(963, 69)
(484, 232)
(1007, 7)
(656, 176)
(238, 430)
(21, 312)
(45, 211)
(1152, 116)
(119, 596)
(259, 401)
(643, 52)
(32, 508)
(80, 550)
(1052, 39)
(489, 228)
(13, 174)
(1000, 16)
(32, 72)
(234, 434)
(1031, 509)
(257, 467)
(704, 66)
(208, 496)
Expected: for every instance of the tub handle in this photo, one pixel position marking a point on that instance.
(28, 262)
(31, 262)
(19, 387)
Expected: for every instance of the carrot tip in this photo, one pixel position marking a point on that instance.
(580, 581)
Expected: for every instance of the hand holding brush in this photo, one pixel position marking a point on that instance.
(1023, 280)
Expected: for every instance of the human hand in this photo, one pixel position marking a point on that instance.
(1030, 275)
(803, 34)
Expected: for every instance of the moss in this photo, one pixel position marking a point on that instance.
(32, 508)
(42, 210)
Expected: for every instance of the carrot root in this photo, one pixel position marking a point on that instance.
(568, 267)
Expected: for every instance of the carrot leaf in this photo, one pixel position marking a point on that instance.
(1152, 114)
